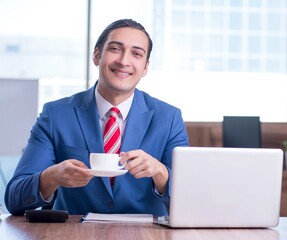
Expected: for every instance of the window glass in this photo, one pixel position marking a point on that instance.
(235, 65)
(216, 43)
(42, 40)
(273, 65)
(217, 2)
(178, 19)
(197, 20)
(197, 2)
(255, 3)
(236, 3)
(190, 36)
(215, 64)
(216, 20)
(254, 65)
(235, 20)
(275, 3)
(235, 43)
(175, 2)
(273, 45)
(254, 21)
(274, 22)
(38, 42)
(197, 42)
(178, 43)
(254, 44)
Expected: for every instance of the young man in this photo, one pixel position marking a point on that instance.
(54, 166)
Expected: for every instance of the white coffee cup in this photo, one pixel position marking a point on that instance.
(105, 161)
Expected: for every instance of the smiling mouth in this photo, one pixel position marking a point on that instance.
(121, 74)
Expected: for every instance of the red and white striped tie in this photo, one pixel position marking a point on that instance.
(112, 135)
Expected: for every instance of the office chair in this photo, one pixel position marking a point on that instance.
(241, 131)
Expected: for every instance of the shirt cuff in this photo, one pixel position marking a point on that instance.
(157, 192)
(48, 200)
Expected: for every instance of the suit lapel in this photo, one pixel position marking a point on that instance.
(88, 118)
(137, 124)
(87, 114)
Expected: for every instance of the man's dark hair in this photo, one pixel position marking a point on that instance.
(120, 24)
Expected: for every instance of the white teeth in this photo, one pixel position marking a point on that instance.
(122, 74)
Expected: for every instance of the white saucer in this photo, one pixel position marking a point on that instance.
(107, 173)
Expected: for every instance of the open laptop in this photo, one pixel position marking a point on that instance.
(225, 188)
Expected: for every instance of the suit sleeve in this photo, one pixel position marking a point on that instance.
(22, 192)
(177, 137)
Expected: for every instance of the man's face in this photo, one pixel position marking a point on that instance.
(122, 62)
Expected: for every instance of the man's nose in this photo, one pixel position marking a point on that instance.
(124, 58)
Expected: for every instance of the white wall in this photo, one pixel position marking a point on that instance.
(18, 113)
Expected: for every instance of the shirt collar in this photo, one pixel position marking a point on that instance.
(104, 106)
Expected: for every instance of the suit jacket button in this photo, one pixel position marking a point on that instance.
(111, 205)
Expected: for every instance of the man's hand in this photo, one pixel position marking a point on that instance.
(140, 164)
(69, 173)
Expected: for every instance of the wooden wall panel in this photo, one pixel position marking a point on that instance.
(209, 134)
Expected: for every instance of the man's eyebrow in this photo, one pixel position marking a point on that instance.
(140, 48)
(121, 44)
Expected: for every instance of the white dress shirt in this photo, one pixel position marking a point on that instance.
(104, 106)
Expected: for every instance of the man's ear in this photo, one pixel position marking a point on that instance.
(96, 56)
(146, 69)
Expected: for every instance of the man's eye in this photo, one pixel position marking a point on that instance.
(115, 49)
(137, 54)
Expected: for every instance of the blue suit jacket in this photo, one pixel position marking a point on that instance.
(69, 128)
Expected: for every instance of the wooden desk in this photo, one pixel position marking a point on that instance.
(12, 227)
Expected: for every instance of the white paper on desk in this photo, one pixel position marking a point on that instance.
(119, 218)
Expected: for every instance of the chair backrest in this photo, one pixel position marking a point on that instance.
(241, 131)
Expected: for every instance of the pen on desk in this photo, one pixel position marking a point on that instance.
(83, 218)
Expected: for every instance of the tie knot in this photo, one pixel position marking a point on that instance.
(114, 112)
